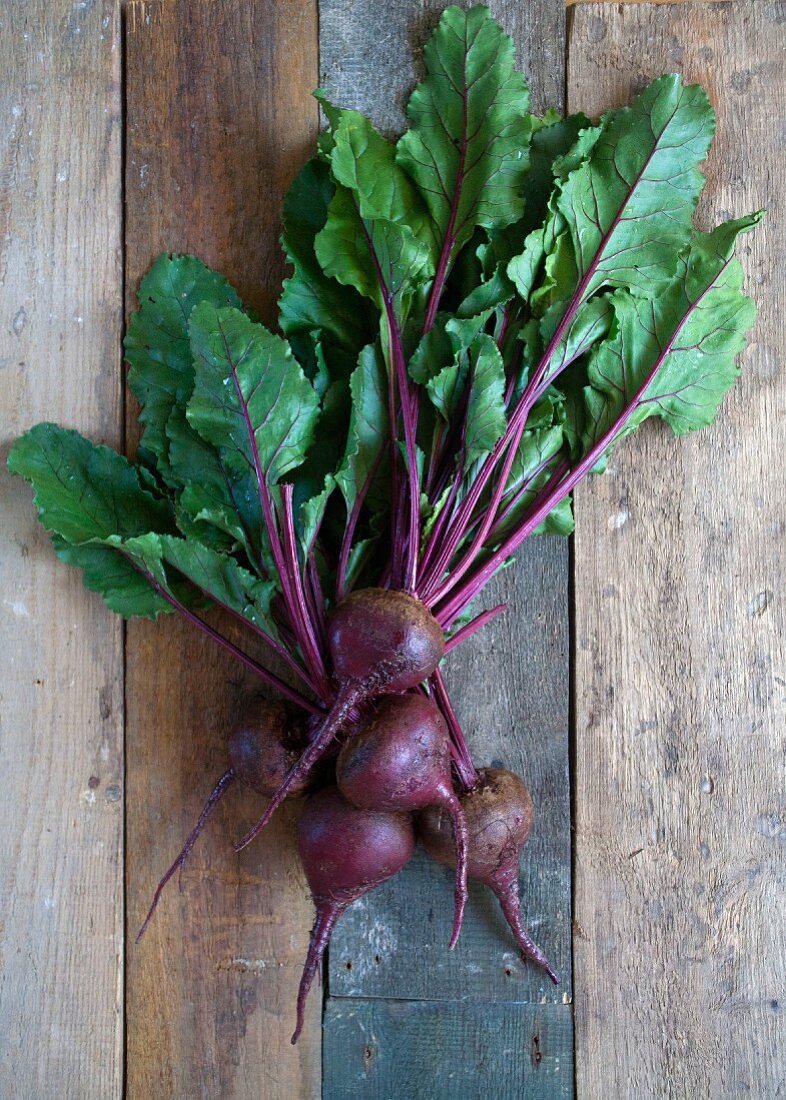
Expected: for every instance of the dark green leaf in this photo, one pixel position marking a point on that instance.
(251, 398)
(83, 491)
(467, 145)
(156, 344)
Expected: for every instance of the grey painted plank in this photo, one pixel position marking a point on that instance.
(369, 53)
(409, 1050)
(510, 684)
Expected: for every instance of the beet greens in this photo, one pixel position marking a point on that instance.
(477, 314)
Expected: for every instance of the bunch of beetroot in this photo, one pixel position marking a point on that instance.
(477, 313)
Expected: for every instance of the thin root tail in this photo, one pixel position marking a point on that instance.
(461, 841)
(218, 792)
(508, 893)
(347, 698)
(328, 913)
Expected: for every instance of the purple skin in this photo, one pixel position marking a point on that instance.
(382, 642)
(401, 761)
(261, 749)
(499, 818)
(345, 853)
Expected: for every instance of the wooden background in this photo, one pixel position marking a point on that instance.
(643, 687)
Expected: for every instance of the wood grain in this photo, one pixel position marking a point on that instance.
(370, 53)
(570, 2)
(510, 685)
(680, 943)
(219, 119)
(61, 699)
(386, 1050)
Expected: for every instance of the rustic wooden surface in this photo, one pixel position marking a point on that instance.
(369, 53)
(219, 119)
(569, 2)
(404, 1050)
(511, 693)
(61, 883)
(680, 664)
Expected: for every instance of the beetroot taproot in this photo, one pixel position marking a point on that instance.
(498, 813)
(261, 748)
(381, 641)
(345, 852)
(401, 761)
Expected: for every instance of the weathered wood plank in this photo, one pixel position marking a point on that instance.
(382, 1050)
(219, 119)
(369, 53)
(61, 725)
(511, 683)
(680, 626)
(569, 2)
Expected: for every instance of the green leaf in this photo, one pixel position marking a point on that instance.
(589, 325)
(217, 505)
(311, 302)
(467, 145)
(364, 162)
(674, 356)
(368, 432)
(483, 370)
(86, 495)
(629, 204)
(524, 269)
(551, 138)
(111, 574)
(443, 343)
(380, 259)
(83, 491)
(157, 346)
(312, 513)
(251, 398)
(218, 576)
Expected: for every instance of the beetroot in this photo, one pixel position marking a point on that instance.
(401, 761)
(264, 746)
(345, 852)
(261, 749)
(499, 818)
(381, 641)
(385, 640)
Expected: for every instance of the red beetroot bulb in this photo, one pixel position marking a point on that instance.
(382, 642)
(401, 761)
(345, 852)
(498, 812)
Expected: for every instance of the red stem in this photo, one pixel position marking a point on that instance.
(471, 627)
(259, 670)
(465, 769)
(549, 498)
(349, 531)
(304, 626)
